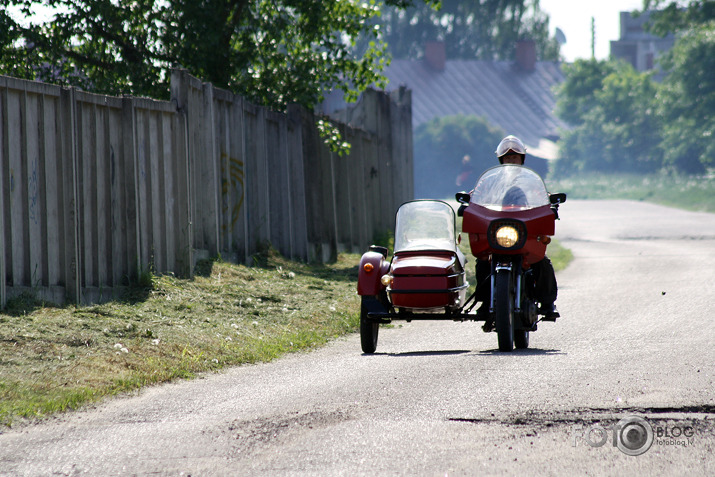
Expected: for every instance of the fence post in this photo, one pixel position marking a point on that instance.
(358, 201)
(210, 178)
(297, 184)
(344, 181)
(185, 241)
(131, 187)
(401, 127)
(257, 176)
(278, 183)
(3, 162)
(387, 160)
(68, 140)
(319, 198)
(241, 176)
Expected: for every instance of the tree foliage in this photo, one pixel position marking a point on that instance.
(670, 17)
(451, 152)
(101, 46)
(686, 101)
(577, 94)
(615, 121)
(625, 121)
(479, 29)
(274, 52)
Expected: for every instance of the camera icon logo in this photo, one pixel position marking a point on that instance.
(633, 435)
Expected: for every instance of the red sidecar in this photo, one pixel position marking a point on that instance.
(426, 276)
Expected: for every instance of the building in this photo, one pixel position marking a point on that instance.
(638, 47)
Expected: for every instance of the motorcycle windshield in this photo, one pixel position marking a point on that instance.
(510, 187)
(425, 225)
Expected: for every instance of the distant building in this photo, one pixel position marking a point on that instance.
(638, 47)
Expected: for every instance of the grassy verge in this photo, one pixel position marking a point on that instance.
(560, 256)
(57, 358)
(687, 192)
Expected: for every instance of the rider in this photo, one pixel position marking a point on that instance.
(512, 151)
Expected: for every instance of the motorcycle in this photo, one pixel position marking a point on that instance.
(509, 217)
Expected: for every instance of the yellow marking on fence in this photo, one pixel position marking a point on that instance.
(234, 182)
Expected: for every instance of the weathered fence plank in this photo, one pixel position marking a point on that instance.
(17, 194)
(5, 187)
(360, 226)
(342, 167)
(97, 189)
(280, 221)
(296, 174)
(51, 195)
(182, 167)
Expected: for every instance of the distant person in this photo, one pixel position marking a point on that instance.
(466, 173)
(512, 151)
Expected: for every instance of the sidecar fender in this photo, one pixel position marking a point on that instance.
(373, 266)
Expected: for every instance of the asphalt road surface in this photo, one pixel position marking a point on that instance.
(632, 355)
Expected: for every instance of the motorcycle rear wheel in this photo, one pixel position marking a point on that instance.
(503, 309)
(368, 332)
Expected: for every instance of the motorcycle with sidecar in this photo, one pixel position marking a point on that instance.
(509, 218)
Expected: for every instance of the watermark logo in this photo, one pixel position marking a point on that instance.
(633, 435)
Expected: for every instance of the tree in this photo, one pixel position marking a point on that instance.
(451, 152)
(617, 128)
(577, 94)
(686, 101)
(479, 29)
(17, 62)
(274, 52)
(97, 45)
(670, 16)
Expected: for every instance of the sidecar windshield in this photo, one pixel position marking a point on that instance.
(510, 187)
(425, 225)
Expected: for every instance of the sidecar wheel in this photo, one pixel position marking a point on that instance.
(503, 310)
(521, 339)
(368, 332)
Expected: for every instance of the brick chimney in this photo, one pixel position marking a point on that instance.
(435, 55)
(526, 55)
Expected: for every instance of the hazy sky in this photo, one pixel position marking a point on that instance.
(573, 17)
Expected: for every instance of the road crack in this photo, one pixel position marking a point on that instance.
(702, 414)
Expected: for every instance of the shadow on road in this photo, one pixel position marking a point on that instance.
(523, 352)
(494, 352)
(423, 353)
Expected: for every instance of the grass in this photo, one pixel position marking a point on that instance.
(55, 359)
(559, 255)
(686, 192)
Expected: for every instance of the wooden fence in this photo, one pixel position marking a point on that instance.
(97, 189)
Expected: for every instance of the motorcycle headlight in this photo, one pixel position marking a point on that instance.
(507, 236)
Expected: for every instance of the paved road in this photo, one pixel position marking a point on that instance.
(636, 339)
